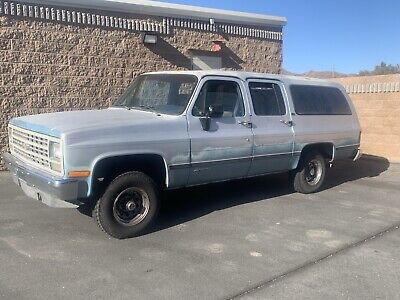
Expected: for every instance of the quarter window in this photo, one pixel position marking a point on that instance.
(267, 99)
(220, 92)
(317, 100)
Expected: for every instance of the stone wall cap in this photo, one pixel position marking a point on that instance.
(156, 8)
(369, 77)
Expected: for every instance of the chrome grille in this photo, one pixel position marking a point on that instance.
(31, 147)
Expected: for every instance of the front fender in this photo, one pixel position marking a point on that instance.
(124, 154)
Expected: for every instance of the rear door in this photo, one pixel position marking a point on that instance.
(272, 128)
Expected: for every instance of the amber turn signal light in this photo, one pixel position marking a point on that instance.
(79, 174)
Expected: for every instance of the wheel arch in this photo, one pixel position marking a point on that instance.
(326, 149)
(108, 167)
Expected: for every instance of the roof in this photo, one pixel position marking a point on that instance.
(156, 8)
(290, 79)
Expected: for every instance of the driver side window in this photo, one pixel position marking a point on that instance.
(220, 92)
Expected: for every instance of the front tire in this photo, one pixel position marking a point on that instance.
(309, 177)
(128, 207)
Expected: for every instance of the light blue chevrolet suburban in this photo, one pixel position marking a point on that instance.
(172, 130)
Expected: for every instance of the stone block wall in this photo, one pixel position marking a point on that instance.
(377, 100)
(47, 66)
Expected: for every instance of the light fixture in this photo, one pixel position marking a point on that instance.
(150, 39)
(217, 46)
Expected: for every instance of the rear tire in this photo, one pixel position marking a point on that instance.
(128, 207)
(309, 177)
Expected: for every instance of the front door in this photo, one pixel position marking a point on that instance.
(224, 152)
(272, 128)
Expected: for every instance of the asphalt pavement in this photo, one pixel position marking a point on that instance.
(250, 239)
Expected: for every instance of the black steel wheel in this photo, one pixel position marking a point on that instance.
(310, 175)
(128, 207)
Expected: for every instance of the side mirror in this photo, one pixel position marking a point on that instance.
(205, 123)
(214, 112)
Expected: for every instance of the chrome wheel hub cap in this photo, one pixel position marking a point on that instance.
(131, 206)
(314, 172)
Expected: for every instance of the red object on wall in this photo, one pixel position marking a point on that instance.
(216, 46)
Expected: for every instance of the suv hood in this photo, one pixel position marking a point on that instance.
(55, 124)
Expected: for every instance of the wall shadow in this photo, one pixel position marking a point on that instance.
(170, 53)
(230, 59)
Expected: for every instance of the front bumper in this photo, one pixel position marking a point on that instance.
(52, 191)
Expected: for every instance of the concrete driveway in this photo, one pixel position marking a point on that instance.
(253, 239)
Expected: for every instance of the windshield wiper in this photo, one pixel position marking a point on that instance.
(123, 106)
(140, 107)
(150, 108)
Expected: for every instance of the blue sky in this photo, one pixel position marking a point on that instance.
(342, 35)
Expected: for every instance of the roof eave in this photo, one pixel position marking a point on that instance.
(155, 8)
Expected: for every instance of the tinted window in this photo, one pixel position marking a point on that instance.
(225, 93)
(315, 100)
(267, 99)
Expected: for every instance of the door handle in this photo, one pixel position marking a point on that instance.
(288, 123)
(246, 124)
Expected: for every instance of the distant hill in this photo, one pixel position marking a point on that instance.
(317, 74)
(380, 69)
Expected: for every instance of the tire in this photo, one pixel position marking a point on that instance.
(128, 207)
(309, 177)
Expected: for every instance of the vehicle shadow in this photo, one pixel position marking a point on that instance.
(181, 206)
(368, 166)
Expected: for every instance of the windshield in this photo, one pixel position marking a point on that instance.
(161, 93)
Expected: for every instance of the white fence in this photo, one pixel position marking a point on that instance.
(387, 87)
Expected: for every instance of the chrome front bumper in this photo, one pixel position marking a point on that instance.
(52, 191)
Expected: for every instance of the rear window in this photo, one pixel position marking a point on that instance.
(317, 100)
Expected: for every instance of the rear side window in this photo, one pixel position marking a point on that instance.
(267, 99)
(317, 100)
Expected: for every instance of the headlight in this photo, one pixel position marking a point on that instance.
(55, 155)
(55, 151)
